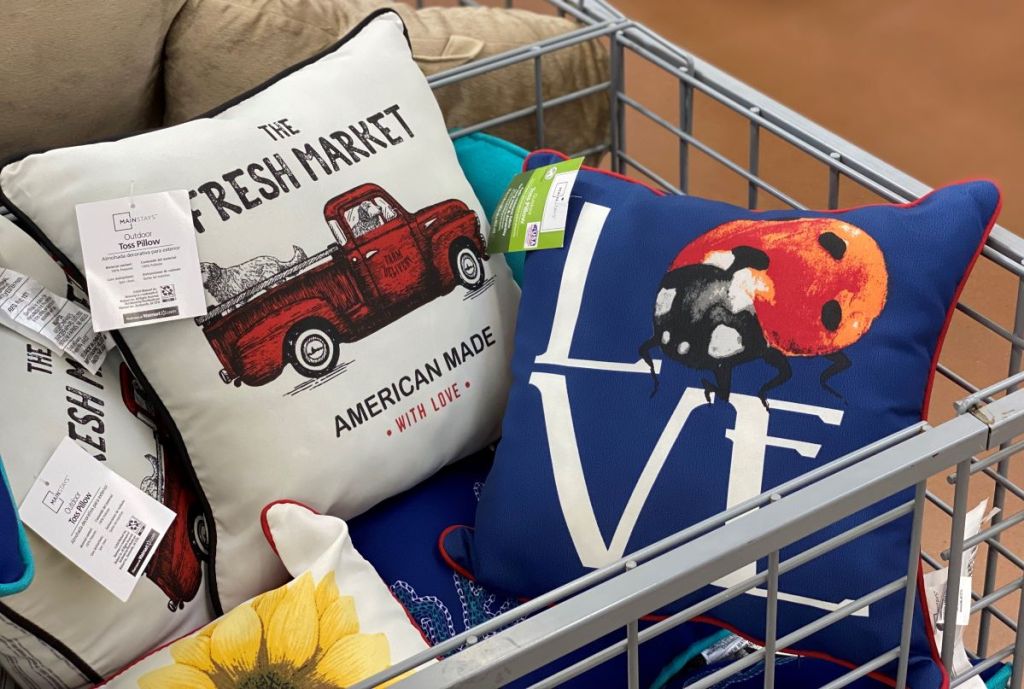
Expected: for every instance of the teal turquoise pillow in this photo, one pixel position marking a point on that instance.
(16, 567)
(489, 164)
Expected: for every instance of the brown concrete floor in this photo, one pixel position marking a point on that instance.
(934, 87)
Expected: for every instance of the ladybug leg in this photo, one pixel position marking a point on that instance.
(840, 362)
(722, 385)
(777, 360)
(645, 354)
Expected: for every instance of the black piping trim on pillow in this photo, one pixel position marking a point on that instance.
(164, 417)
(55, 644)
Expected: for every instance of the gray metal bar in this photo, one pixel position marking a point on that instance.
(958, 379)
(523, 112)
(517, 55)
(633, 654)
(686, 126)
(833, 181)
(617, 71)
(1018, 649)
(842, 612)
(661, 181)
(981, 666)
(987, 600)
(993, 544)
(999, 330)
(771, 620)
(710, 152)
(862, 670)
(550, 633)
(991, 531)
(538, 92)
(705, 526)
(999, 490)
(956, 556)
(910, 597)
(753, 159)
(982, 464)
(1001, 260)
(678, 618)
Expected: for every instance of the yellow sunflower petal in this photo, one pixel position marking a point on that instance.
(194, 651)
(354, 658)
(266, 603)
(339, 620)
(176, 677)
(235, 642)
(326, 592)
(293, 630)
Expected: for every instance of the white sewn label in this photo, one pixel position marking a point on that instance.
(31, 310)
(141, 260)
(100, 521)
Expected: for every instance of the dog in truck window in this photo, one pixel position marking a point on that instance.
(225, 283)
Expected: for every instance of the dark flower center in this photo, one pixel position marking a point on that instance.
(267, 678)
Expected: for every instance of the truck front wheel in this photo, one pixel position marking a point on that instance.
(467, 266)
(312, 347)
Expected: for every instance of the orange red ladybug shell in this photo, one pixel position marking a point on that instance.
(802, 276)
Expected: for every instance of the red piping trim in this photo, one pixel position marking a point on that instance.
(459, 569)
(956, 298)
(265, 525)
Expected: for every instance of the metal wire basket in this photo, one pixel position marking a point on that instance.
(774, 157)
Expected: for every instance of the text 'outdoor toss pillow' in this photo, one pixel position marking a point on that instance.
(334, 625)
(65, 629)
(358, 335)
(681, 355)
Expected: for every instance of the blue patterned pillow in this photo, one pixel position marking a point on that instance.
(399, 538)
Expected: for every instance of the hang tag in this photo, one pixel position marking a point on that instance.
(532, 212)
(31, 310)
(963, 605)
(95, 518)
(141, 260)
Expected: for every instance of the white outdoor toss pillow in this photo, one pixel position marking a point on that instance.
(358, 336)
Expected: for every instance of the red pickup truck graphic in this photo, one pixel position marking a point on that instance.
(176, 566)
(383, 263)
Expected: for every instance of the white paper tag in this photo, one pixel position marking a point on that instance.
(95, 518)
(963, 605)
(28, 308)
(141, 260)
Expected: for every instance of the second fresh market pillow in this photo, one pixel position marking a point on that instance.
(358, 335)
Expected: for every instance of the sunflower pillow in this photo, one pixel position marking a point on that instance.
(334, 625)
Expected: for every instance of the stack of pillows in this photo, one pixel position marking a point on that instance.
(678, 357)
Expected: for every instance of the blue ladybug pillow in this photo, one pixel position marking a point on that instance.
(680, 356)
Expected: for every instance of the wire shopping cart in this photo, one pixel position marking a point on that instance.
(949, 465)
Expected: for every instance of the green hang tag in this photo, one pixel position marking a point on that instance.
(531, 214)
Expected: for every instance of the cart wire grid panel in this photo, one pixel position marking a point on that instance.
(742, 146)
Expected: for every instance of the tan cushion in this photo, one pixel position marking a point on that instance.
(75, 71)
(218, 49)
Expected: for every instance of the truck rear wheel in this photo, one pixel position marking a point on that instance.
(312, 347)
(467, 266)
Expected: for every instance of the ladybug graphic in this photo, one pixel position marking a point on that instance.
(768, 290)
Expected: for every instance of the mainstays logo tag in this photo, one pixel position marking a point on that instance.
(749, 435)
(126, 221)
